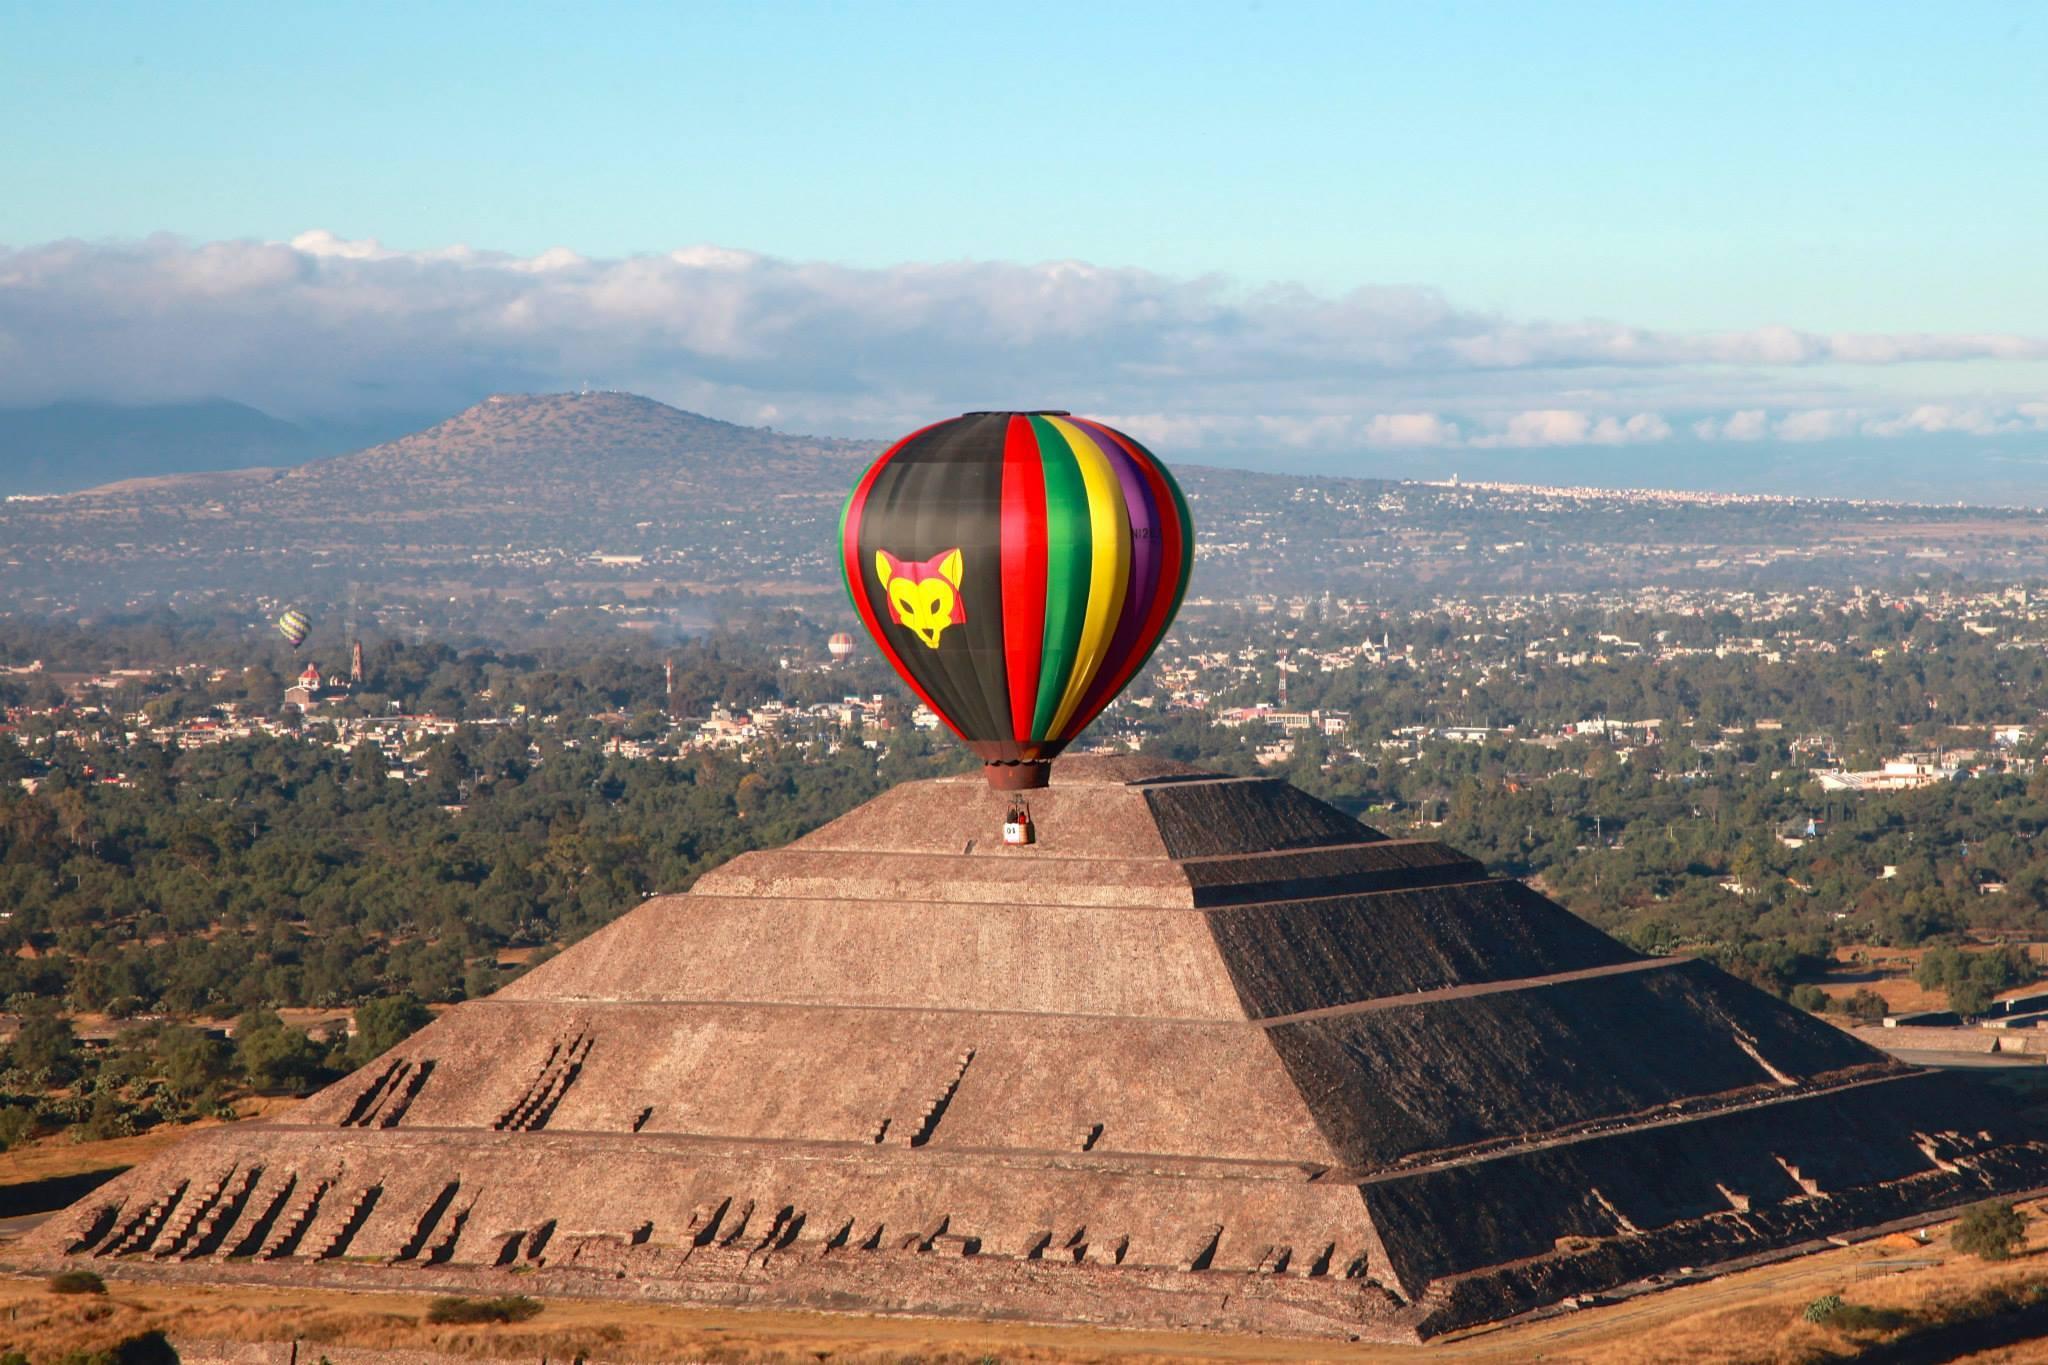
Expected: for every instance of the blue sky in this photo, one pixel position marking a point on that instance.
(1870, 168)
(1861, 166)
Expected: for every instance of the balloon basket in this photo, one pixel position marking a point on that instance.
(1018, 776)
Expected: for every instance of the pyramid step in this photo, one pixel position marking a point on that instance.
(355, 1214)
(366, 1104)
(176, 1230)
(92, 1223)
(213, 1222)
(564, 1063)
(928, 1121)
(143, 1230)
(269, 1206)
(423, 1228)
(400, 1097)
(284, 1238)
(443, 1249)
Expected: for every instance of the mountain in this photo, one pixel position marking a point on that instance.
(63, 447)
(517, 487)
(606, 450)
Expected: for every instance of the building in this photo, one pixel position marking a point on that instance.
(1205, 1054)
(305, 693)
(1897, 775)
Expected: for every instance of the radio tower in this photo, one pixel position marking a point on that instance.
(668, 683)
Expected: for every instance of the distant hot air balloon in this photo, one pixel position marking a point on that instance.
(1016, 568)
(840, 646)
(293, 625)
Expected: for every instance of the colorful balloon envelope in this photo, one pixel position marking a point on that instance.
(1016, 568)
(294, 625)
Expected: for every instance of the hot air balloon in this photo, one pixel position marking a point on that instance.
(1016, 568)
(840, 646)
(293, 625)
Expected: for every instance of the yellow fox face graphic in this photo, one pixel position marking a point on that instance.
(923, 595)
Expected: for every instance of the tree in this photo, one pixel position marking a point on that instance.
(1990, 1230)
(46, 1043)
(1749, 867)
(1810, 998)
(190, 1061)
(1968, 997)
(273, 1055)
(384, 1023)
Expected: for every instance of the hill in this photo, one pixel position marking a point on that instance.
(613, 450)
(517, 486)
(60, 447)
(65, 447)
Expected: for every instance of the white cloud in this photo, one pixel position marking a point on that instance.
(1643, 427)
(1547, 427)
(321, 242)
(1817, 424)
(1573, 427)
(1388, 430)
(1750, 424)
(1931, 419)
(1408, 429)
(326, 324)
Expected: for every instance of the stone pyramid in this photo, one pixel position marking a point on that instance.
(1208, 1054)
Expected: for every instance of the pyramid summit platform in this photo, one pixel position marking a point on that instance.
(1209, 1054)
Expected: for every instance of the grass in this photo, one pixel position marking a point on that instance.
(1945, 1326)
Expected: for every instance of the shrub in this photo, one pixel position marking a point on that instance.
(1990, 1230)
(506, 1308)
(17, 1125)
(1867, 1005)
(150, 1348)
(1810, 998)
(110, 1117)
(77, 1282)
(1829, 1310)
(1856, 1317)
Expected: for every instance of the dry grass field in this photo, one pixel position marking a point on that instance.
(1888, 973)
(1950, 1307)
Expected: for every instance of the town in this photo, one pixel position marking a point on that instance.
(1231, 664)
